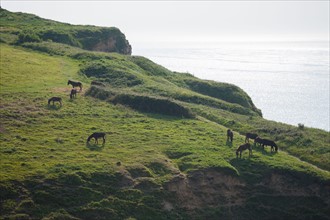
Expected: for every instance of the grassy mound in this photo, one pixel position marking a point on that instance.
(144, 103)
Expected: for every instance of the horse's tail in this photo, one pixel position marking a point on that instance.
(276, 147)
(49, 100)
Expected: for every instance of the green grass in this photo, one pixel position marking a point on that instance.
(48, 170)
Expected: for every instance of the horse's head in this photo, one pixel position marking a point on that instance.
(69, 82)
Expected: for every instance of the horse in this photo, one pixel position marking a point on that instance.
(55, 99)
(250, 136)
(258, 140)
(96, 136)
(73, 93)
(272, 144)
(240, 149)
(230, 135)
(75, 84)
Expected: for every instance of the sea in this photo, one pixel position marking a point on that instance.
(288, 81)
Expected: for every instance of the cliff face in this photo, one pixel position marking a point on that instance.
(279, 193)
(111, 43)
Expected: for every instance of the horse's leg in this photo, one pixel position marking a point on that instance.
(240, 154)
(103, 140)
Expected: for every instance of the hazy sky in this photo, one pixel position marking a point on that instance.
(191, 20)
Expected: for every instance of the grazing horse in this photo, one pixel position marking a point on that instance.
(55, 99)
(73, 93)
(230, 135)
(270, 143)
(242, 148)
(96, 136)
(250, 136)
(75, 84)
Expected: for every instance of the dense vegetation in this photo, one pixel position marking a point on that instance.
(166, 155)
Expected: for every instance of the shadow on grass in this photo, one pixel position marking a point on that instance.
(229, 144)
(54, 107)
(265, 151)
(95, 147)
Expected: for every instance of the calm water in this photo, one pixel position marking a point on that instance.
(289, 82)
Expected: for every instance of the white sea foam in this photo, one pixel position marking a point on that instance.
(288, 81)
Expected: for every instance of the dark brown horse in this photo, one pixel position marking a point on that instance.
(96, 136)
(250, 136)
(75, 84)
(230, 135)
(272, 144)
(55, 99)
(242, 148)
(258, 140)
(73, 93)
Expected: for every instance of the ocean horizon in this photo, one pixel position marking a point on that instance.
(288, 81)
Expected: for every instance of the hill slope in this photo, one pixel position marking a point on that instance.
(21, 28)
(157, 163)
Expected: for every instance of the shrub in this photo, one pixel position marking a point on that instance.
(28, 36)
(301, 126)
(60, 37)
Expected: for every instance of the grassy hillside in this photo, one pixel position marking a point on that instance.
(20, 28)
(166, 154)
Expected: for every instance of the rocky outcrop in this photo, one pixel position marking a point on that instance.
(110, 45)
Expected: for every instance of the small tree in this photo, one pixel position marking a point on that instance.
(301, 126)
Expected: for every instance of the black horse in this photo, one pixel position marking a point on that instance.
(96, 136)
(75, 84)
(55, 99)
(272, 144)
(242, 148)
(258, 140)
(73, 93)
(250, 136)
(230, 135)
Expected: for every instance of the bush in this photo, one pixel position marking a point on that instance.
(28, 36)
(301, 126)
(60, 37)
